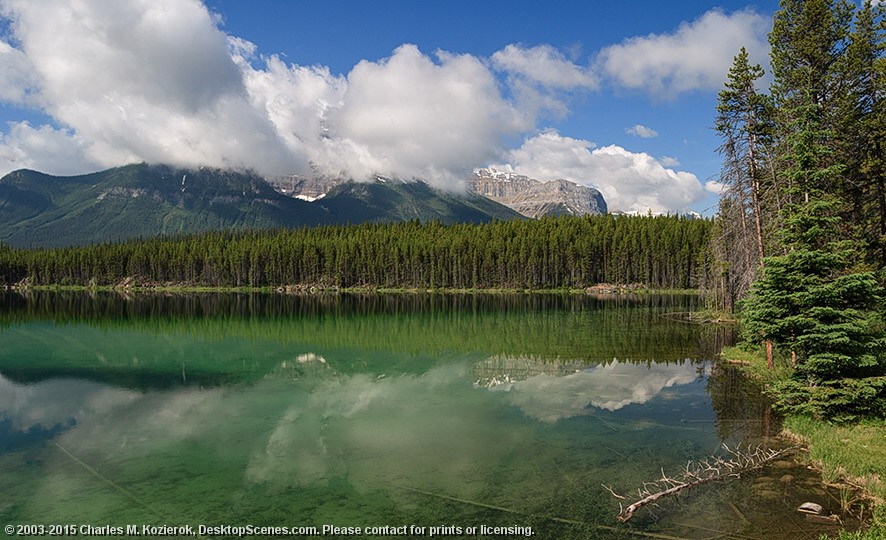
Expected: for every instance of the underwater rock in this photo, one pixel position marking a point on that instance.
(769, 495)
(832, 519)
(810, 508)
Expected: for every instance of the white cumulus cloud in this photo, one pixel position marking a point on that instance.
(629, 181)
(669, 161)
(158, 81)
(541, 78)
(717, 188)
(696, 56)
(639, 130)
(16, 80)
(409, 115)
(544, 65)
(50, 150)
(144, 80)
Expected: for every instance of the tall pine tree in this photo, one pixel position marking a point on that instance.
(745, 125)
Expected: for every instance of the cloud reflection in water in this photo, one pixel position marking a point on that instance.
(549, 398)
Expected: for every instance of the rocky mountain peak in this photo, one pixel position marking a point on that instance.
(534, 198)
(527, 196)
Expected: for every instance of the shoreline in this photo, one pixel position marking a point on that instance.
(844, 454)
(613, 290)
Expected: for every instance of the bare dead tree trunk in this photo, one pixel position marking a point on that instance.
(881, 204)
(695, 474)
(755, 193)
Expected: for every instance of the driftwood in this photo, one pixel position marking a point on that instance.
(714, 468)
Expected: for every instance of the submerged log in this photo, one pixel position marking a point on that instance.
(711, 469)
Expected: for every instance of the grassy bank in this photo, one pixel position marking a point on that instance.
(851, 455)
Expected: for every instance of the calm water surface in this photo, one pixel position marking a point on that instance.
(367, 411)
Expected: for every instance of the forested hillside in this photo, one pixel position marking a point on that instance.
(564, 252)
(141, 200)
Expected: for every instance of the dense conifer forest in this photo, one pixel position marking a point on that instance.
(665, 252)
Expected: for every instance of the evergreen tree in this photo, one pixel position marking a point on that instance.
(808, 40)
(861, 128)
(810, 302)
(744, 123)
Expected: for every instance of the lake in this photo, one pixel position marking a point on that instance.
(461, 415)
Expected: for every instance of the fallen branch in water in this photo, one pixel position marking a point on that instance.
(700, 317)
(694, 474)
(732, 362)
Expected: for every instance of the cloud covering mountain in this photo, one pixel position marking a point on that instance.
(629, 181)
(161, 81)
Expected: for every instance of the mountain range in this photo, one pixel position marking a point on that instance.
(41, 210)
(527, 196)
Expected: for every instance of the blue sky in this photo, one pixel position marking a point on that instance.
(620, 96)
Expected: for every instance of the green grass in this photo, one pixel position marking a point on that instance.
(754, 365)
(853, 454)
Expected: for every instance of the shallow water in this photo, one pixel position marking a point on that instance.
(402, 411)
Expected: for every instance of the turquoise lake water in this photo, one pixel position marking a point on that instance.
(466, 416)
